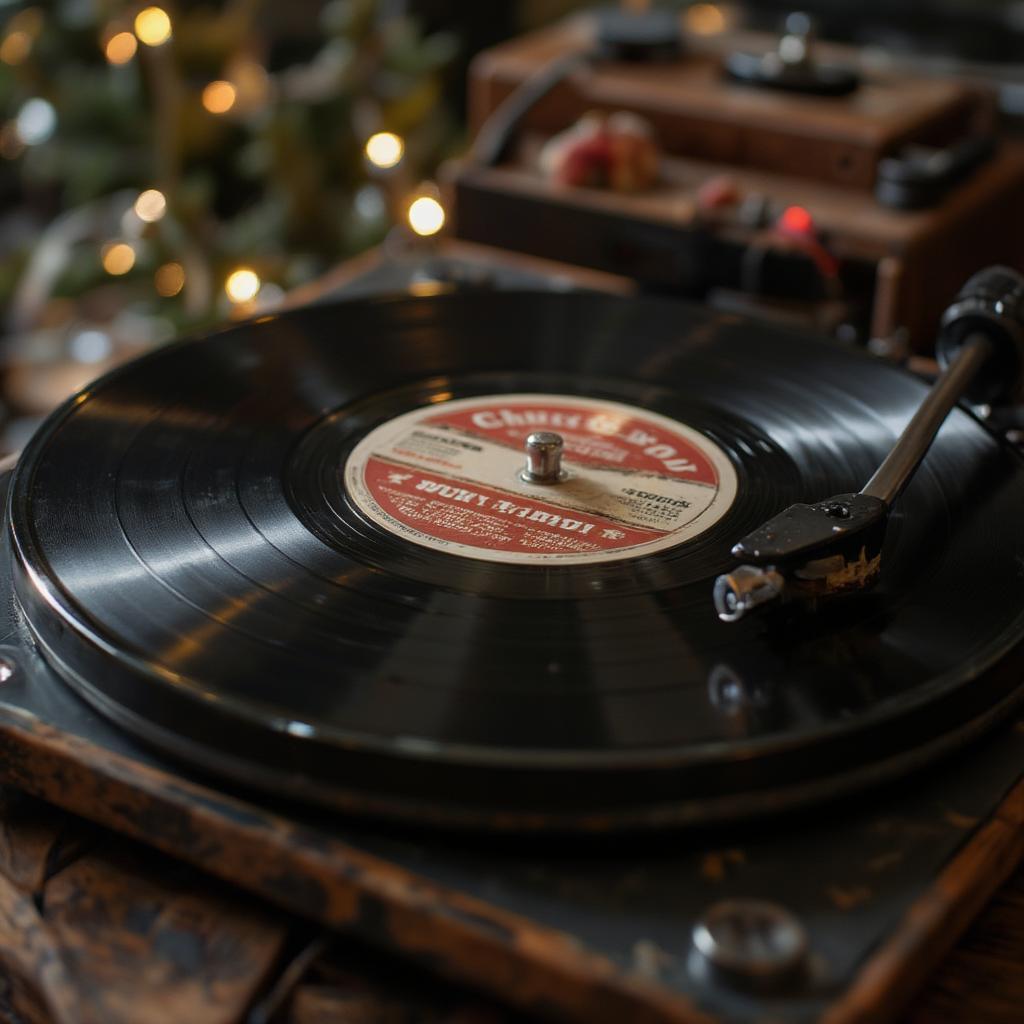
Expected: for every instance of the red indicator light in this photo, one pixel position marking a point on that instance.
(797, 221)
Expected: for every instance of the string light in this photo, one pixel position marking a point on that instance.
(242, 285)
(153, 26)
(219, 97)
(384, 150)
(169, 279)
(150, 206)
(426, 216)
(120, 48)
(118, 258)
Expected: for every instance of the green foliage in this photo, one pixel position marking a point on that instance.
(274, 182)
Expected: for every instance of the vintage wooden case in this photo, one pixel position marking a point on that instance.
(817, 152)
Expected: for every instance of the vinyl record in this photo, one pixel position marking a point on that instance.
(300, 553)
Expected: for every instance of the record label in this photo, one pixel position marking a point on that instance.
(447, 477)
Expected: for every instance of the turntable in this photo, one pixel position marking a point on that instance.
(621, 658)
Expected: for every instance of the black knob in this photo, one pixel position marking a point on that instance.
(990, 303)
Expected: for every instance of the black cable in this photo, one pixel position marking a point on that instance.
(496, 133)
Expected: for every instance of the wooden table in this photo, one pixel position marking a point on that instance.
(982, 980)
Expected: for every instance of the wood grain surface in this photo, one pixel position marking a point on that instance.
(96, 929)
(982, 980)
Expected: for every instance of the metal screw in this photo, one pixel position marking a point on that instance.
(6, 670)
(726, 690)
(543, 458)
(751, 943)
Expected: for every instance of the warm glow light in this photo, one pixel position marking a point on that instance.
(120, 48)
(153, 26)
(219, 97)
(169, 279)
(426, 216)
(118, 258)
(384, 149)
(242, 285)
(705, 19)
(150, 206)
(15, 47)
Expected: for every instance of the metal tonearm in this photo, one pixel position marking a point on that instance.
(835, 546)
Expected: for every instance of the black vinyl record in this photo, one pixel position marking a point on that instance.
(251, 550)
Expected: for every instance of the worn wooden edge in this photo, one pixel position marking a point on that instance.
(464, 938)
(523, 963)
(887, 982)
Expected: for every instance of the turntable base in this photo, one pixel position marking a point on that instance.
(92, 883)
(95, 927)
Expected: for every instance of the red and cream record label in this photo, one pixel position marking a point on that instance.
(448, 477)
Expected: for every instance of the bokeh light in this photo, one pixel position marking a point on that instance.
(90, 346)
(384, 150)
(426, 215)
(118, 258)
(15, 48)
(120, 48)
(151, 205)
(219, 97)
(153, 26)
(36, 121)
(169, 279)
(242, 285)
(22, 32)
(705, 19)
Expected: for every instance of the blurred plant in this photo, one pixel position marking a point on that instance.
(180, 163)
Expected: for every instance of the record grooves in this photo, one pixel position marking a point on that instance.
(190, 556)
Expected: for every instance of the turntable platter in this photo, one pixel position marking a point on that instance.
(300, 553)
